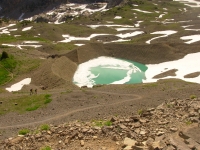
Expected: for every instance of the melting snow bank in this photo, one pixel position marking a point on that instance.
(20, 45)
(191, 38)
(69, 38)
(148, 12)
(191, 3)
(27, 28)
(166, 33)
(18, 86)
(118, 17)
(108, 70)
(189, 64)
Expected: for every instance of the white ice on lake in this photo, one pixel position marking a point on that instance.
(191, 38)
(165, 34)
(83, 75)
(187, 65)
(27, 28)
(18, 86)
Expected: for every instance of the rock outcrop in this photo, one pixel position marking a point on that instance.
(172, 125)
(15, 8)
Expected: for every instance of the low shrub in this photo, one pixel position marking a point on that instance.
(44, 127)
(23, 131)
(45, 148)
(193, 96)
(47, 99)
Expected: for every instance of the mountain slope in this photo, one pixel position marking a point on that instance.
(13, 8)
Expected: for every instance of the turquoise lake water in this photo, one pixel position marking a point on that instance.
(110, 75)
(108, 70)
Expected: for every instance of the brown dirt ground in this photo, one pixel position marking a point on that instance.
(101, 101)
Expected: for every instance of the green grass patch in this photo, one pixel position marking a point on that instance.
(140, 112)
(44, 127)
(25, 103)
(9, 63)
(188, 122)
(4, 75)
(45, 148)
(32, 108)
(193, 96)
(23, 131)
(101, 123)
(4, 38)
(47, 99)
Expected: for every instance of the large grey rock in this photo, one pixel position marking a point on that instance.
(129, 142)
(178, 143)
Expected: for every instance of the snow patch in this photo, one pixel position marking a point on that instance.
(110, 25)
(27, 28)
(191, 3)
(191, 38)
(126, 35)
(138, 23)
(69, 38)
(148, 12)
(166, 33)
(186, 65)
(18, 86)
(118, 17)
(124, 29)
(79, 44)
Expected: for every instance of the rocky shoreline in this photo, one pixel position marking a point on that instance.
(172, 125)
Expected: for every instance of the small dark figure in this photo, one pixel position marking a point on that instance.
(31, 91)
(36, 91)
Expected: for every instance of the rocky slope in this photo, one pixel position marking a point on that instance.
(172, 125)
(13, 8)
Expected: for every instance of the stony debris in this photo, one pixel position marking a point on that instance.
(172, 125)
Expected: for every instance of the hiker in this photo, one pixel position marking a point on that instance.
(31, 91)
(36, 91)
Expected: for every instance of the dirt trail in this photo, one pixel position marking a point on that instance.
(59, 116)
